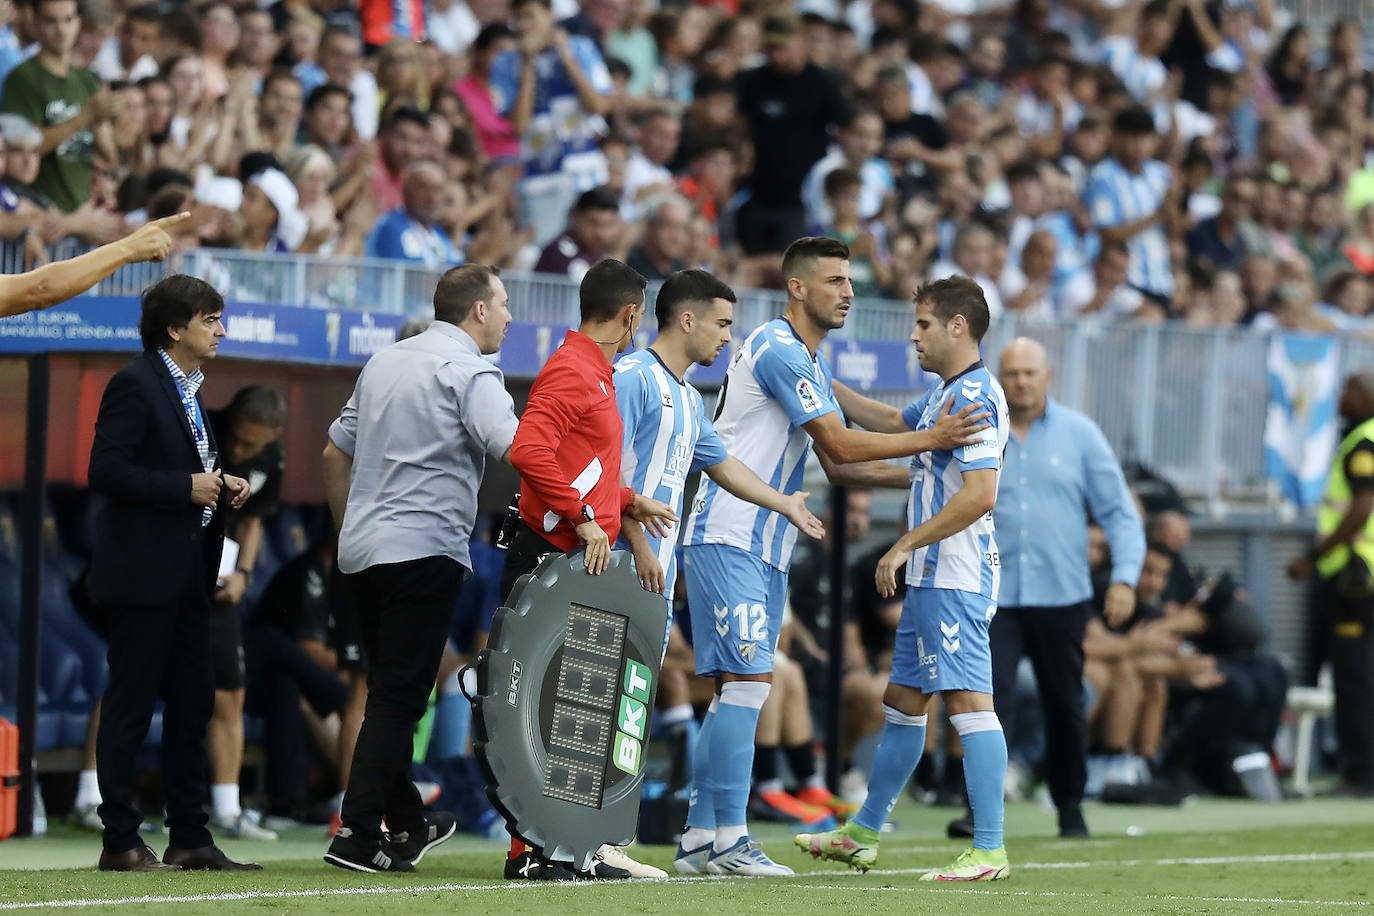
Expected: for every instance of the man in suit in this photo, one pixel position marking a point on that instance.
(159, 534)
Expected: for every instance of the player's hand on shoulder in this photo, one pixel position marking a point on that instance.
(655, 516)
(802, 517)
(956, 428)
(598, 554)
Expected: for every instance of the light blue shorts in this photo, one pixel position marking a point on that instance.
(942, 641)
(736, 603)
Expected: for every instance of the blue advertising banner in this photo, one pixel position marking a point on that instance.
(347, 337)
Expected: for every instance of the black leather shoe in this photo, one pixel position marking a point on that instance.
(140, 858)
(1071, 823)
(209, 858)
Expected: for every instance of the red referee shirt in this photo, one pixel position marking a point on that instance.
(567, 447)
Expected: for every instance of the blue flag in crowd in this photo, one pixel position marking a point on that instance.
(1302, 425)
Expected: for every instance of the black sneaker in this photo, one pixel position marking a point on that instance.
(354, 854)
(1071, 823)
(412, 846)
(530, 867)
(601, 870)
(961, 827)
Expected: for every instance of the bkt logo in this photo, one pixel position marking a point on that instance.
(633, 721)
(513, 691)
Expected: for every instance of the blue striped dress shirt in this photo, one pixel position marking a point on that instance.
(1063, 470)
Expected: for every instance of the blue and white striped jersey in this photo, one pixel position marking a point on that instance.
(1115, 196)
(667, 437)
(773, 387)
(967, 561)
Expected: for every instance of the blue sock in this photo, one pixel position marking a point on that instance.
(701, 800)
(985, 772)
(732, 749)
(904, 738)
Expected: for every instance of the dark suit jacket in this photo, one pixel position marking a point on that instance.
(149, 540)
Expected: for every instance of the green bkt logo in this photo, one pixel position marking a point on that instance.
(633, 718)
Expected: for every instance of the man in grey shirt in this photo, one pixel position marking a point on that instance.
(402, 468)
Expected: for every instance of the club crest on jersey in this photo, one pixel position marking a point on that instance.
(747, 650)
(807, 397)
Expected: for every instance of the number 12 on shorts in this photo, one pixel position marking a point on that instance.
(752, 620)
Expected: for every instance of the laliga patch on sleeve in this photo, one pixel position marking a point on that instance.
(807, 397)
(985, 447)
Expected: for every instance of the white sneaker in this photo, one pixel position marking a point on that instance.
(745, 858)
(86, 816)
(241, 827)
(616, 856)
(692, 861)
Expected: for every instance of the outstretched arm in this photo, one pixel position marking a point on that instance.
(736, 479)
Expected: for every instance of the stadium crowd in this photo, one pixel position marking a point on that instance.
(1136, 160)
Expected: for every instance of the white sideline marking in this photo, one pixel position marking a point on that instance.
(230, 896)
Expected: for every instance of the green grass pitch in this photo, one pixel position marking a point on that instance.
(1209, 856)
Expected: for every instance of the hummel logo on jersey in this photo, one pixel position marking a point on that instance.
(722, 627)
(747, 650)
(972, 390)
(668, 399)
(950, 636)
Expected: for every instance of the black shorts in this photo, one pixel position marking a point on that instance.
(346, 638)
(226, 642)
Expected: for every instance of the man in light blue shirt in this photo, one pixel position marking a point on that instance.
(1058, 469)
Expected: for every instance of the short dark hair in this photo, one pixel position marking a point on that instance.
(807, 251)
(1133, 120)
(276, 75)
(617, 67)
(1158, 9)
(607, 288)
(1161, 548)
(319, 94)
(406, 113)
(842, 179)
(1023, 170)
(490, 35)
(169, 200)
(546, 4)
(258, 404)
(461, 288)
(956, 296)
(711, 84)
(685, 288)
(597, 199)
(171, 303)
(144, 12)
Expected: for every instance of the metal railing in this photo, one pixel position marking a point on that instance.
(1189, 403)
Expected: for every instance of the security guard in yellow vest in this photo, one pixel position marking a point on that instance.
(1344, 562)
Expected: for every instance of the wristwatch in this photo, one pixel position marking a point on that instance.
(587, 514)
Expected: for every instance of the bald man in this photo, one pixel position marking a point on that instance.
(412, 232)
(1058, 469)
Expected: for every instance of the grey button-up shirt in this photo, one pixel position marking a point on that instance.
(424, 415)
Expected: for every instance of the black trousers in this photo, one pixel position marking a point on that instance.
(1053, 638)
(527, 551)
(1212, 727)
(404, 611)
(1350, 647)
(280, 673)
(157, 653)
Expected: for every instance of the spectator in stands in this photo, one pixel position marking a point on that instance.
(647, 172)
(1220, 242)
(1131, 198)
(1343, 559)
(272, 220)
(328, 124)
(1045, 579)
(89, 222)
(133, 54)
(258, 44)
(63, 100)
(496, 137)
(247, 431)
(789, 106)
(554, 89)
(844, 192)
(974, 257)
(157, 549)
(404, 140)
(667, 238)
(220, 37)
(1106, 292)
(593, 231)
(340, 60)
(279, 114)
(1028, 288)
(413, 232)
(859, 148)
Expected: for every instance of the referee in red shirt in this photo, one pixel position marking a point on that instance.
(567, 450)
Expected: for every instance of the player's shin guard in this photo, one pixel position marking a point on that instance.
(701, 802)
(732, 752)
(985, 771)
(904, 738)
